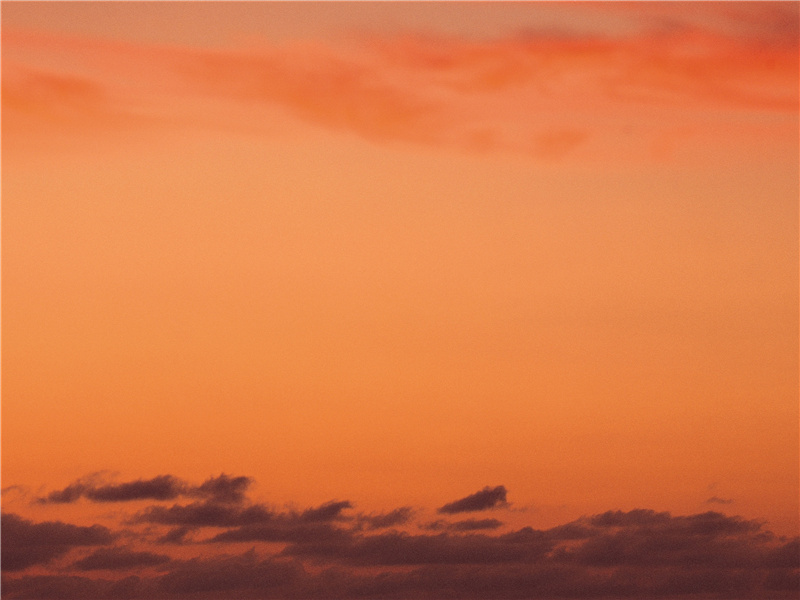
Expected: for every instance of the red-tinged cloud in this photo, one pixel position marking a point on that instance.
(549, 95)
(323, 552)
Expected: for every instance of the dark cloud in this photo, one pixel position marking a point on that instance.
(475, 524)
(285, 530)
(577, 530)
(25, 543)
(396, 548)
(230, 573)
(224, 488)
(163, 487)
(69, 587)
(646, 538)
(176, 535)
(71, 493)
(224, 514)
(466, 525)
(398, 516)
(618, 518)
(486, 499)
(326, 512)
(205, 514)
(117, 559)
(327, 553)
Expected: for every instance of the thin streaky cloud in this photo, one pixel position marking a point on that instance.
(507, 94)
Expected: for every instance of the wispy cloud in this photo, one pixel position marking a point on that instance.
(222, 489)
(549, 95)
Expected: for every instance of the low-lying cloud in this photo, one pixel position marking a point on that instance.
(330, 550)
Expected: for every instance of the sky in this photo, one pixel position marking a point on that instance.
(400, 300)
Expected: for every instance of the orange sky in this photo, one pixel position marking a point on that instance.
(394, 253)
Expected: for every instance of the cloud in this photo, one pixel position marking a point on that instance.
(398, 516)
(323, 552)
(222, 489)
(230, 573)
(254, 522)
(475, 524)
(397, 548)
(617, 554)
(285, 529)
(25, 543)
(162, 487)
(327, 512)
(118, 559)
(466, 525)
(485, 499)
(176, 535)
(549, 95)
(71, 587)
(205, 514)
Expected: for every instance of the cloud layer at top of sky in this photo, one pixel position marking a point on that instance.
(548, 93)
(204, 24)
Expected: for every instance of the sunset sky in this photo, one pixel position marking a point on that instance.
(400, 300)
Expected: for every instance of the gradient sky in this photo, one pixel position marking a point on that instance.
(373, 259)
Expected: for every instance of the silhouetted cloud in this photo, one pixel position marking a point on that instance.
(25, 543)
(205, 514)
(224, 488)
(465, 525)
(325, 553)
(475, 524)
(230, 573)
(71, 587)
(398, 516)
(118, 559)
(285, 530)
(614, 555)
(326, 512)
(396, 548)
(177, 535)
(486, 499)
(162, 487)
(221, 489)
